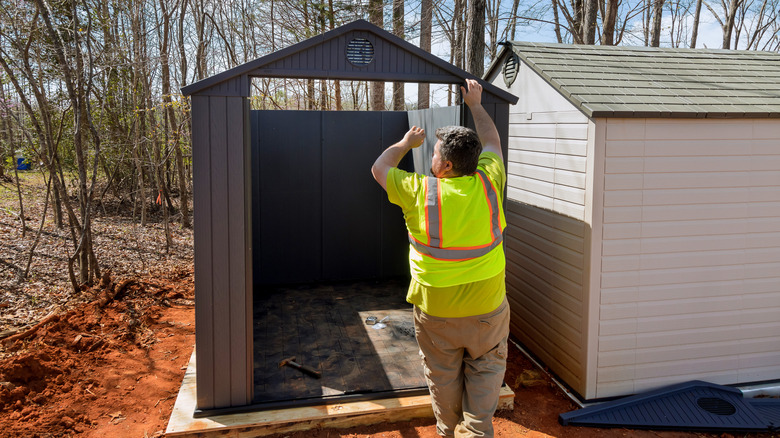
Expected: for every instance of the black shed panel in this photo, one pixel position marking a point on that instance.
(225, 249)
(287, 201)
(357, 231)
(318, 214)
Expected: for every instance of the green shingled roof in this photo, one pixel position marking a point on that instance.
(607, 81)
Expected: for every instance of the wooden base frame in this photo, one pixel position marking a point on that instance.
(336, 415)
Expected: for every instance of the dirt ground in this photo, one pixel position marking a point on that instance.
(108, 361)
(107, 367)
(112, 365)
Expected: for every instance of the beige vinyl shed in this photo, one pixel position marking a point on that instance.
(644, 213)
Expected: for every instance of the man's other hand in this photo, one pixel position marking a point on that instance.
(414, 137)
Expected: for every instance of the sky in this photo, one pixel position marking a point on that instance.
(710, 36)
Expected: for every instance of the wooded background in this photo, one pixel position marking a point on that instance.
(89, 89)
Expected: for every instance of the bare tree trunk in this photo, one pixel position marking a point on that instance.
(140, 174)
(159, 177)
(476, 43)
(728, 25)
(457, 39)
(610, 18)
(556, 18)
(182, 50)
(376, 17)
(578, 21)
(655, 36)
(40, 231)
(589, 24)
(398, 30)
(171, 114)
(19, 195)
(492, 19)
(9, 135)
(199, 12)
(5, 127)
(21, 201)
(513, 20)
(139, 101)
(324, 94)
(426, 26)
(78, 83)
(337, 83)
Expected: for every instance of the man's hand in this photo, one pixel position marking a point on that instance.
(393, 155)
(472, 93)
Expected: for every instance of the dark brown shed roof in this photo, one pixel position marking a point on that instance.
(355, 51)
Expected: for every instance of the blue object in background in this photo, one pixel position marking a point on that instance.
(22, 164)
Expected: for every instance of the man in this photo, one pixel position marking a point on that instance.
(455, 222)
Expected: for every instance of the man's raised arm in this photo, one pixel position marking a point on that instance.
(486, 129)
(395, 153)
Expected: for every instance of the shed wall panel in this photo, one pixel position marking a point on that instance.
(349, 230)
(204, 339)
(239, 240)
(691, 261)
(221, 242)
(220, 245)
(545, 238)
(277, 185)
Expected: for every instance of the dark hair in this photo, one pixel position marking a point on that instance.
(461, 146)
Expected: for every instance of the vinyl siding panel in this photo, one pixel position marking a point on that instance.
(545, 239)
(690, 275)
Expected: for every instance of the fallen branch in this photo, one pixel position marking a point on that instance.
(12, 331)
(51, 317)
(116, 293)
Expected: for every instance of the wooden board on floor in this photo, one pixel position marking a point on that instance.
(336, 415)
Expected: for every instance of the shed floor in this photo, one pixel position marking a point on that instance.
(324, 326)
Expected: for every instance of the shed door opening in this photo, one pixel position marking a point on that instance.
(330, 252)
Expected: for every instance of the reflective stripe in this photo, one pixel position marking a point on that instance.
(433, 212)
(453, 254)
(492, 197)
(434, 224)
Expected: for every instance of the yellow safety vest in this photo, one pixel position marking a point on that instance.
(459, 239)
(451, 243)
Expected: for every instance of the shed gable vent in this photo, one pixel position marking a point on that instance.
(360, 52)
(511, 66)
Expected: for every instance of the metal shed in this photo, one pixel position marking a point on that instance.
(229, 195)
(643, 244)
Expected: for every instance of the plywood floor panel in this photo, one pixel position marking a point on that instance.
(323, 326)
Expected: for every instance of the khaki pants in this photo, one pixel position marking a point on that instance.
(464, 360)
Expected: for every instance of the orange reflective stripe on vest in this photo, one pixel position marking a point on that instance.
(434, 224)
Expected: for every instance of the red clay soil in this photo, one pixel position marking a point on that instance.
(538, 402)
(112, 366)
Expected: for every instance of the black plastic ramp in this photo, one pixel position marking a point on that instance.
(694, 405)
